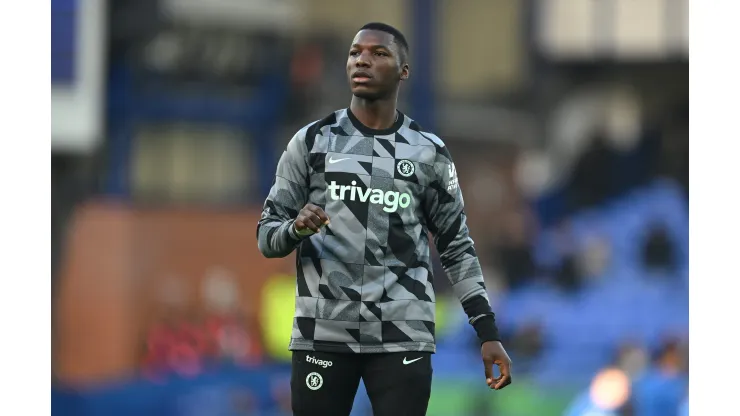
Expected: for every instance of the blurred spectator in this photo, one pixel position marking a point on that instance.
(620, 155)
(568, 276)
(661, 390)
(575, 262)
(186, 342)
(607, 395)
(591, 178)
(594, 256)
(514, 249)
(632, 359)
(659, 251)
(187, 347)
(526, 344)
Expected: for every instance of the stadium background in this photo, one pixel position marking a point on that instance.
(568, 122)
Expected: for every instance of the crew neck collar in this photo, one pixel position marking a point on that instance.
(375, 132)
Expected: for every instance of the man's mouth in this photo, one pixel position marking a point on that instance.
(361, 77)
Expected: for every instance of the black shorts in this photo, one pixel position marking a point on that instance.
(398, 384)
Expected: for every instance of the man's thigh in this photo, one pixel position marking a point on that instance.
(323, 383)
(399, 384)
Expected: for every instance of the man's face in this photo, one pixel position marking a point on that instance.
(374, 65)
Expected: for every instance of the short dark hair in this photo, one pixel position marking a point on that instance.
(398, 37)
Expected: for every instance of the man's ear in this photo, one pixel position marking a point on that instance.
(405, 72)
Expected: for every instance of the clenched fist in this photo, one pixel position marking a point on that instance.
(310, 220)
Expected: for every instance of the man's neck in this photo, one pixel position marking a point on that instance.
(377, 114)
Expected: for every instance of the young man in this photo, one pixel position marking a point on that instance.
(358, 193)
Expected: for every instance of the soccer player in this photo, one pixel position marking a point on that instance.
(357, 193)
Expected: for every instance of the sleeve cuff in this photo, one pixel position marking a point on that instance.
(291, 231)
(295, 235)
(486, 329)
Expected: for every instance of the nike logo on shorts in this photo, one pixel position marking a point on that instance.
(407, 362)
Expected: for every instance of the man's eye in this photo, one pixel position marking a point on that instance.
(381, 53)
(353, 53)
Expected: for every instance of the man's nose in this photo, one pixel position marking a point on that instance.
(362, 60)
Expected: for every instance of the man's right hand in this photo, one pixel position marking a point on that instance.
(310, 218)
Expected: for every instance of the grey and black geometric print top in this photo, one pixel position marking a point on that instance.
(365, 284)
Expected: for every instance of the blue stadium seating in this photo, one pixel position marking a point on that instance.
(627, 304)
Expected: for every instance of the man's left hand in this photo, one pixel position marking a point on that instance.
(494, 353)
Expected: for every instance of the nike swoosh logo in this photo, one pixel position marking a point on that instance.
(332, 160)
(407, 362)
